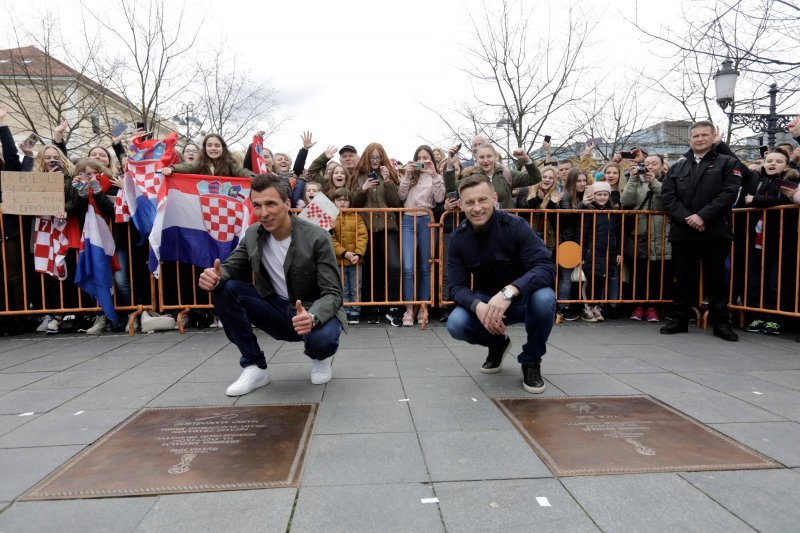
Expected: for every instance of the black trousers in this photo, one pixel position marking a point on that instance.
(686, 258)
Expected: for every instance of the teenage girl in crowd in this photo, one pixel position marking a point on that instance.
(543, 195)
(570, 230)
(375, 185)
(422, 187)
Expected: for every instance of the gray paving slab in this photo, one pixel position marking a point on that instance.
(786, 378)
(24, 467)
(261, 510)
(590, 349)
(74, 378)
(645, 502)
(105, 361)
(367, 508)
(37, 401)
(78, 516)
(590, 384)
(623, 365)
(411, 353)
(424, 341)
(457, 415)
(144, 375)
(214, 370)
(13, 344)
(733, 382)
(510, 506)
(381, 416)
(785, 403)
(765, 499)
(145, 348)
(302, 391)
(431, 368)
(52, 363)
(364, 459)
(117, 396)
(441, 388)
(375, 369)
(10, 381)
(363, 390)
(379, 340)
(188, 394)
(777, 440)
(62, 428)
(476, 455)
(363, 355)
(10, 422)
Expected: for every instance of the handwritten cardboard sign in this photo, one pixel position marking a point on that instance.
(32, 193)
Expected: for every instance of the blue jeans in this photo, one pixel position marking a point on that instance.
(537, 311)
(122, 277)
(238, 304)
(352, 288)
(423, 256)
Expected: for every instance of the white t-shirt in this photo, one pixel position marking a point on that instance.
(273, 257)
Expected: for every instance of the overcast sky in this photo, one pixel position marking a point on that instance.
(354, 72)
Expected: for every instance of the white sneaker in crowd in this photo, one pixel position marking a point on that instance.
(321, 371)
(43, 323)
(252, 378)
(54, 325)
(99, 325)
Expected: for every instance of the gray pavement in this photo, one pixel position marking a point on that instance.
(373, 458)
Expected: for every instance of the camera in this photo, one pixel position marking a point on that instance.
(641, 169)
(420, 165)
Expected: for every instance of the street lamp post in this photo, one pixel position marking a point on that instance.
(507, 123)
(770, 123)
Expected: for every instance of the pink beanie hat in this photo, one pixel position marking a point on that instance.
(602, 186)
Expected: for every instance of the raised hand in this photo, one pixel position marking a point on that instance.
(307, 142)
(331, 151)
(58, 132)
(520, 153)
(794, 126)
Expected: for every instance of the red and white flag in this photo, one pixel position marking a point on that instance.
(50, 246)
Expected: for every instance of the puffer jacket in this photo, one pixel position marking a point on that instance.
(350, 235)
(638, 195)
(530, 176)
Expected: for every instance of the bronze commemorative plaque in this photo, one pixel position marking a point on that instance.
(598, 435)
(188, 449)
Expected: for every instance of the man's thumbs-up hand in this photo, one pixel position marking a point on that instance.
(301, 321)
(210, 277)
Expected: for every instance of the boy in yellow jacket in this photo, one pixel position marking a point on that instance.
(350, 237)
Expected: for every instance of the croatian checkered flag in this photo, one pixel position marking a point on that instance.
(50, 246)
(321, 211)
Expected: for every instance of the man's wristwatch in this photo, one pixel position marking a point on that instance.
(314, 320)
(507, 293)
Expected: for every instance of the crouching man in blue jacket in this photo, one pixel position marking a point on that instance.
(512, 280)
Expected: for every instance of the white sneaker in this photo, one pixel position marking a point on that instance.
(54, 325)
(43, 322)
(321, 371)
(99, 325)
(252, 378)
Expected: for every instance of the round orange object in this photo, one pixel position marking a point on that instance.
(568, 254)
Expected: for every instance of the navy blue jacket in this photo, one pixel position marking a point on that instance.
(506, 251)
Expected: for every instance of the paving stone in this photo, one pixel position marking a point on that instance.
(411, 353)
(590, 384)
(9, 422)
(457, 415)
(443, 388)
(102, 362)
(190, 394)
(431, 368)
(279, 392)
(786, 378)
(10, 381)
(362, 355)
(118, 396)
(776, 440)
(765, 499)
(510, 505)
(623, 365)
(363, 390)
(12, 344)
(643, 502)
(144, 348)
(382, 416)
(364, 459)
(784, 403)
(424, 341)
(78, 516)
(395, 507)
(733, 382)
(37, 401)
(474, 455)
(74, 378)
(52, 363)
(267, 510)
(23, 467)
(62, 428)
(214, 370)
(376, 369)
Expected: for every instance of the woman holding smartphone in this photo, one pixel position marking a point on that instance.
(375, 185)
(422, 187)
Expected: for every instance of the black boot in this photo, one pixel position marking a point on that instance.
(532, 380)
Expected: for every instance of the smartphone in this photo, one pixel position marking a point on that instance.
(787, 184)
(627, 155)
(30, 140)
(373, 176)
(420, 165)
(452, 195)
(148, 137)
(140, 125)
(119, 129)
(597, 141)
(589, 191)
(457, 149)
(55, 165)
(763, 150)
(547, 138)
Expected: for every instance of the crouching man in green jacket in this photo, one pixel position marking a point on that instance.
(297, 294)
